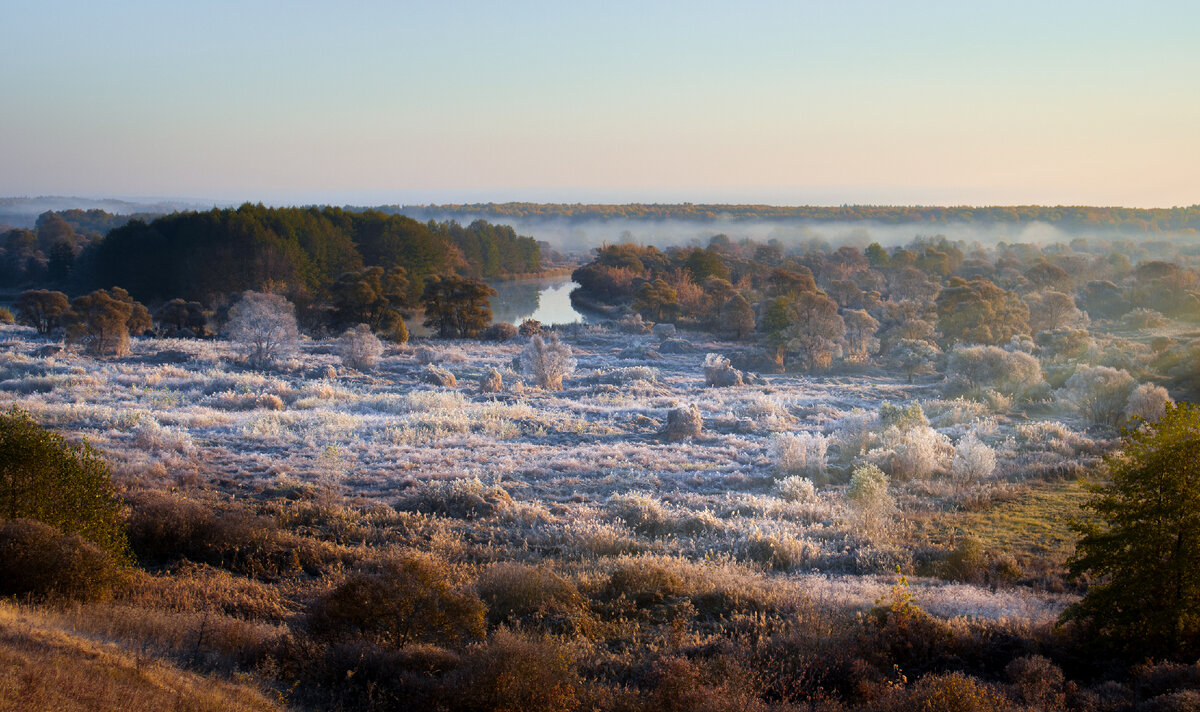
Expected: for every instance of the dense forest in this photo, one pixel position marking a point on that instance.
(1133, 221)
(298, 251)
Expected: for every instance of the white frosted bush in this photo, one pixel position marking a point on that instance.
(855, 433)
(796, 489)
(916, 453)
(1148, 403)
(360, 349)
(718, 372)
(973, 460)
(1100, 393)
(149, 435)
(1012, 373)
(547, 363)
(868, 498)
(799, 454)
(263, 328)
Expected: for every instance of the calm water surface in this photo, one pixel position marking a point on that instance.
(546, 299)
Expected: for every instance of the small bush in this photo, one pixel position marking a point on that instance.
(501, 331)
(683, 423)
(436, 376)
(513, 672)
(547, 363)
(1147, 403)
(799, 454)
(796, 489)
(973, 461)
(530, 328)
(360, 349)
(946, 692)
(40, 561)
(462, 499)
(869, 499)
(1100, 393)
(645, 583)
(718, 372)
(406, 601)
(491, 381)
(524, 595)
(6, 316)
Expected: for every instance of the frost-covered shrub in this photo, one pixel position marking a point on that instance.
(956, 411)
(974, 368)
(547, 363)
(149, 435)
(1147, 403)
(973, 460)
(915, 453)
(683, 423)
(868, 497)
(268, 401)
(1100, 393)
(491, 381)
(718, 372)
(649, 516)
(1066, 344)
(778, 552)
(799, 454)
(662, 332)
(360, 349)
(796, 489)
(438, 376)
(902, 417)
(855, 433)
(766, 412)
(463, 498)
(1144, 319)
(426, 355)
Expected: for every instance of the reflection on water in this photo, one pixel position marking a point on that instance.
(547, 299)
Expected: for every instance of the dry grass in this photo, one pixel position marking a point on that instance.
(44, 667)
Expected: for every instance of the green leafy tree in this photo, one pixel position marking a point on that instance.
(45, 478)
(980, 312)
(1142, 546)
(656, 301)
(457, 307)
(737, 317)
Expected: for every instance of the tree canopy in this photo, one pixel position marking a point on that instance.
(1142, 546)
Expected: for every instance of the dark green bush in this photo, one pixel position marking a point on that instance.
(45, 478)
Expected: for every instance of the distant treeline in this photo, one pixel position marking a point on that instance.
(298, 251)
(1124, 220)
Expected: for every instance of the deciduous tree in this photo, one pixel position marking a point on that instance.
(1142, 546)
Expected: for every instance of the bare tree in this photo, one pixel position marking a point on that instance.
(263, 326)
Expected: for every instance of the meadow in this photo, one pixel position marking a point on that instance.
(611, 557)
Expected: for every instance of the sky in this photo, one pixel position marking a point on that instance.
(370, 102)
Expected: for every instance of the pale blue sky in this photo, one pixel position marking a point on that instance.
(781, 102)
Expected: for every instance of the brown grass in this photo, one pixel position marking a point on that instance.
(43, 667)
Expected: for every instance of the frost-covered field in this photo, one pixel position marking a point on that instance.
(580, 475)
